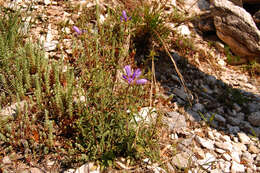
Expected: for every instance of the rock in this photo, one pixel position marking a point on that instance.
(209, 144)
(35, 170)
(146, 114)
(253, 107)
(183, 30)
(208, 162)
(254, 119)
(235, 156)
(244, 139)
(225, 138)
(224, 165)
(253, 149)
(239, 147)
(236, 28)
(198, 107)
(236, 167)
(181, 160)
(225, 146)
(193, 116)
(218, 150)
(233, 129)
(226, 156)
(233, 121)
(220, 118)
(50, 46)
(175, 120)
(181, 93)
(88, 167)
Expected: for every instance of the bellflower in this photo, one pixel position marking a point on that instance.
(124, 17)
(132, 77)
(77, 30)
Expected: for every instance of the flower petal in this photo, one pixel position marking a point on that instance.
(137, 73)
(141, 81)
(124, 15)
(128, 70)
(77, 30)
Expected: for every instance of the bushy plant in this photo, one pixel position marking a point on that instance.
(77, 109)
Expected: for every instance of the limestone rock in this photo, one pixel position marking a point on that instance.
(236, 27)
(254, 119)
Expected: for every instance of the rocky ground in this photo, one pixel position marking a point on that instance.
(219, 133)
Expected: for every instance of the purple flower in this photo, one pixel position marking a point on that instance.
(132, 77)
(77, 30)
(124, 17)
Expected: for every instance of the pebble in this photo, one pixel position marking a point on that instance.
(226, 156)
(235, 156)
(254, 118)
(226, 146)
(209, 144)
(244, 139)
(253, 149)
(236, 167)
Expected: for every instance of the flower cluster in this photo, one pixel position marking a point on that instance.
(124, 17)
(132, 77)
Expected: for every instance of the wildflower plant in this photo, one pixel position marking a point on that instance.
(72, 113)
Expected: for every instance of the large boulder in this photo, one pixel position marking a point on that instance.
(236, 27)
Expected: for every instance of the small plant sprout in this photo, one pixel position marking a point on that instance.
(132, 77)
(124, 17)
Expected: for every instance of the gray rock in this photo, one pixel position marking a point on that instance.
(254, 119)
(233, 121)
(253, 107)
(220, 118)
(193, 116)
(175, 120)
(198, 107)
(233, 129)
(236, 28)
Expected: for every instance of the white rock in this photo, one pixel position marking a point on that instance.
(208, 162)
(235, 168)
(225, 138)
(146, 114)
(243, 138)
(50, 46)
(47, 2)
(226, 146)
(226, 156)
(235, 156)
(210, 135)
(184, 30)
(218, 150)
(225, 166)
(209, 144)
(88, 167)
